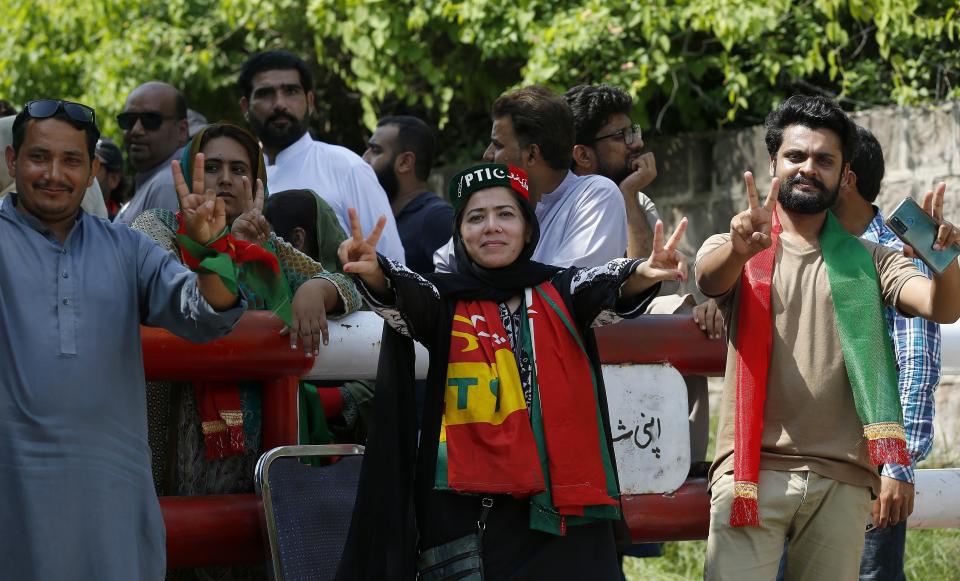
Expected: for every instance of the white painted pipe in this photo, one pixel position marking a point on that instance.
(950, 349)
(354, 350)
(937, 504)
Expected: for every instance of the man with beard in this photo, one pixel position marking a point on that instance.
(582, 218)
(277, 101)
(610, 144)
(810, 405)
(401, 153)
(154, 123)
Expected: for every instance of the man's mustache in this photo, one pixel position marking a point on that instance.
(48, 185)
(798, 180)
(286, 116)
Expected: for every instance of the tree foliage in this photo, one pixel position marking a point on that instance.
(689, 64)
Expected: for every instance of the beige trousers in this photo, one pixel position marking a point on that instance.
(822, 520)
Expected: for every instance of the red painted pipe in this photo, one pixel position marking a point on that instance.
(683, 515)
(212, 530)
(253, 350)
(219, 530)
(280, 417)
(674, 339)
(225, 529)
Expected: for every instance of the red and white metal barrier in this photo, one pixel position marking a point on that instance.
(215, 530)
(209, 530)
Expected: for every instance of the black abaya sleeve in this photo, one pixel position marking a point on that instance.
(382, 543)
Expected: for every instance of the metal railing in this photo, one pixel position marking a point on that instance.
(206, 530)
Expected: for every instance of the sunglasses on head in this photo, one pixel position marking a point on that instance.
(44, 108)
(150, 120)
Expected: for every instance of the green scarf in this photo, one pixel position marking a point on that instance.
(867, 354)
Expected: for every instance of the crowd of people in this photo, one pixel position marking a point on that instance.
(500, 464)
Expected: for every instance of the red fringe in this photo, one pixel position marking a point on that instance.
(745, 512)
(223, 444)
(236, 440)
(889, 451)
(214, 445)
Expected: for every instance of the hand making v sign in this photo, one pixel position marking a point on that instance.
(750, 229)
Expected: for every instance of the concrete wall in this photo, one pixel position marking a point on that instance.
(701, 175)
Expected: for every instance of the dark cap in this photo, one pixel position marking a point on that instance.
(484, 176)
(109, 155)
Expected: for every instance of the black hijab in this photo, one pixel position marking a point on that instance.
(400, 460)
(474, 282)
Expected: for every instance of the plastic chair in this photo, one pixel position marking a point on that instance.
(307, 509)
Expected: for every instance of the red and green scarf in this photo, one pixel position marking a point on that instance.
(867, 354)
(218, 402)
(556, 453)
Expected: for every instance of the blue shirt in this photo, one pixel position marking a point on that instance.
(76, 492)
(916, 344)
(425, 224)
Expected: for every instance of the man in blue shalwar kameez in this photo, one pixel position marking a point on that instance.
(76, 493)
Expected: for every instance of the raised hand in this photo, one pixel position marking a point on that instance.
(251, 225)
(204, 215)
(933, 205)
(665, 262)
(358, 254)
(750, 229)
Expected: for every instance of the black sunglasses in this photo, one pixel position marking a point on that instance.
(150, 120)
(44, 108)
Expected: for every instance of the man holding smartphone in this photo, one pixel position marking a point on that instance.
(810, 404)
(916, 344)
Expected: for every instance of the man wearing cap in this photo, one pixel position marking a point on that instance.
(110, 177)
(78, 495)
(154, 123)
(582, 218)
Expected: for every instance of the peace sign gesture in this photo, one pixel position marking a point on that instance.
(251, 225)
(204, 215)
(359, 255)
(750, 229)
(665, 262)
(947, 233)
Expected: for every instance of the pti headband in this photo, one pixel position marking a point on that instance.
(488, 175)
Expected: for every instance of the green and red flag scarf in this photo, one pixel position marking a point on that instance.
(490, 442)
(218, 402)
(256, 269)
(868, 356)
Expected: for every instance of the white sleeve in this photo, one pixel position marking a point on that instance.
(93, 201)
(649, 210)
(596, 232)
(364, 193)
(443, 259)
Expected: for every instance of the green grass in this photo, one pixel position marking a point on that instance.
(931, 555)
